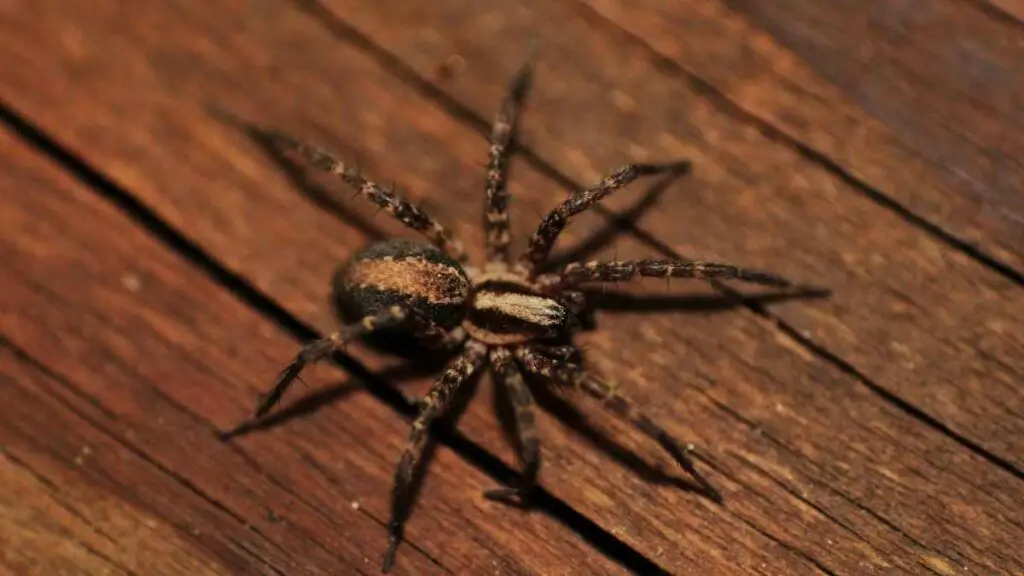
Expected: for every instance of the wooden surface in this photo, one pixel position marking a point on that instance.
(159, 268)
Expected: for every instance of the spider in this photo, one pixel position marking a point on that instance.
(509, 315)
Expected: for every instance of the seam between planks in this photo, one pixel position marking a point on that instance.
(769, 131)
(600, 539)
(394, 65)
(995, 11)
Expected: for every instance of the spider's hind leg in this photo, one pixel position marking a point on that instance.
(507, 373)
(537, 361)
(432, 405)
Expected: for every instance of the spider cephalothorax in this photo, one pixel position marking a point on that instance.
(508, 315)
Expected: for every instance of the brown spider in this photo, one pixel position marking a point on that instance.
(507, 315)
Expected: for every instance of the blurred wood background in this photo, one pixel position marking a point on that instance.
(159, 268)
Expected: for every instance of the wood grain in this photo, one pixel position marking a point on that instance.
(157, 355)
(57, 521)
(822, 470)
(753, 200)
(293, 259)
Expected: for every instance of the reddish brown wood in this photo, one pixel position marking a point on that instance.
(150, 357)
(752, 200)
(819, 472)
(1012, 8)
(67, 503)
(920, 103)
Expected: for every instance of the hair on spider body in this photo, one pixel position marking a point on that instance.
(412, 275)
(510, 317)
(496, 307)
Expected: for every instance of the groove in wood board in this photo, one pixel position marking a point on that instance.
(308, 497)
(661, 541)
(942, 152)
(1013, 9)
(752, 201)
(759, 513)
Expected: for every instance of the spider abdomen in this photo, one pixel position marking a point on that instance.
(403, 273)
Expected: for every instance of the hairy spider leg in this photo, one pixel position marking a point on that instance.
(523, 406)
(536, 360)
(617, 271)
(503, 129)
(388, 200)
(319, 349)
(555, 221)
(433, 405)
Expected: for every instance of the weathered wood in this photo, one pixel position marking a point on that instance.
(754, 201)
(1013, 9)
(819, 473)
(963, 312)
(56, 522)
(277, 240)
(894, 61)
(920, 103)
(153, 356)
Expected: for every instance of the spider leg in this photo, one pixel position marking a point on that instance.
(319, 349)
(574, 300)
(616, 271)
(536, 360)
(433, 404)
(503, 129)
(440, 340)
(553, 224)
(388, 200)
(508, 373)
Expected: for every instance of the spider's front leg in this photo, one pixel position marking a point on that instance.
(503, 129)
(433, 405)
(318, 350)
(523, 406)
(538, 361)
(553, 224)
(626, 270)
(322, 348)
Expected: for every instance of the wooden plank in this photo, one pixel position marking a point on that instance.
(157, 354)
(868, 497)
(1012, 8)
(56, 520)
(920, 102)
(286, 246)
(752, 201)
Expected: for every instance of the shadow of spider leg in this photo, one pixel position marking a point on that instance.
(555, 365)
(507, 373)
(433, 405)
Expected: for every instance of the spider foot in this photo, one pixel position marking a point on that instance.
(394, 538)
